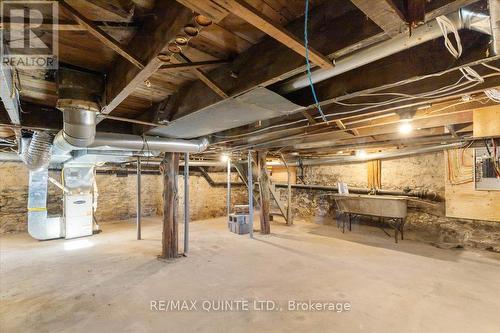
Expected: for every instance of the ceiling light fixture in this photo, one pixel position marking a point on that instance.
(405, 127)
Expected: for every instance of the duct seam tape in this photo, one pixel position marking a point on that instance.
(37, 209)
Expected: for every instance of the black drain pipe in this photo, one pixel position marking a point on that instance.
(422, 194)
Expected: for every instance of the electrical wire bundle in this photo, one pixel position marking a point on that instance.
(493, 94)
(447, 27)
(493, 156)
(459, 172)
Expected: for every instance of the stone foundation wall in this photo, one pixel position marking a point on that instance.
(425, 221)
(117, 197)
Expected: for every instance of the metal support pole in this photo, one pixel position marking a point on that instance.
(250, 192)
(138, 198)
(289, 218)
(228, 204)
(186, 203)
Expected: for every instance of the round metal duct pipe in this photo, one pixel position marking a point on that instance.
(79, 94)
(79, 127)
(464, 19)
(36, 155)
(137, 142)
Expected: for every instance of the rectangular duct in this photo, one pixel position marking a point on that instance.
(255, 105)
(40, 226)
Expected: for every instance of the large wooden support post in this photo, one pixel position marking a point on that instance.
(265, 194)
(170, 169)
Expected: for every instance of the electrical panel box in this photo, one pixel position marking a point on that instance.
(486, 168)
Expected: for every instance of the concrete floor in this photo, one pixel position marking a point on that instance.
(54, 286)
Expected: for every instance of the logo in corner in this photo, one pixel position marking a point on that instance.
(28, 34)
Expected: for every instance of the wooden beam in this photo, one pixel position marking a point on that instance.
(445, 7)
(341, 125)
(415, 11)
(257, 66)
(369, 130)
(203, 77)
(399, 67)
(290, 136)
(170, 167)
(8, 92)
(167, 20)
(101, 35)
(50, 25)
(207, 8)
(265, 194)
(310, 118)
(192, 65)
(115, 7)
(384, 13)
(248, 13)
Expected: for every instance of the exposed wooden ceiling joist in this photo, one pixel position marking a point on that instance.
(49, 25)
(9, 94)
(413, 63)
(100, 34)
(445, 7)
(207, 7)
(112, 10)
(384, 13)
(415, 11)
(378, 128)
(192, 65)
(269, 61)
(150, 41)
(202, 76)
(246, 12)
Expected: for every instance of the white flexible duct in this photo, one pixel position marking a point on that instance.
(463, 19)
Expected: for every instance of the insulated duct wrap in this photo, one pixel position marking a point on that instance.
(37, 154)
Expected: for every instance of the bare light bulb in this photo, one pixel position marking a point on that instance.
(405, 128)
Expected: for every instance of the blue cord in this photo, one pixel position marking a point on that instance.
(308, 64)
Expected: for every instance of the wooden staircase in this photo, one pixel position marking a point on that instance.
(278, 206)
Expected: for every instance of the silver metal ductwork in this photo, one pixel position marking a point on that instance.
(464, 19)
(36, 153)
(495, 24)
(78, 96)
(79, 127)
(40, 225)
(374, 156)
(137, 142)
(66, 140)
